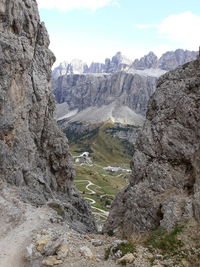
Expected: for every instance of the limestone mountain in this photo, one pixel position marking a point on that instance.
(164, 187)
(34, 154)
(117, 83)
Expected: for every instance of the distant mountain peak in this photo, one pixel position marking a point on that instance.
(168, 61)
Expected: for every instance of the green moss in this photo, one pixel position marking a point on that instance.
(167, 242)
(104, 149)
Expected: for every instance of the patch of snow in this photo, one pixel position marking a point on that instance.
(148, 72)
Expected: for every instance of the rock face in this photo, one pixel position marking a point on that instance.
(146, 62)
(83, 91)
(34, 154)
(165, 183)
(171, 60)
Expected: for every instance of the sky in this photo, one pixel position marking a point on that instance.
(92, 30)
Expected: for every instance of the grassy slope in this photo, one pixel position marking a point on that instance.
(109, 183)
(105, 149)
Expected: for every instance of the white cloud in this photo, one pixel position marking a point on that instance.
(182, 30)
(184, 26)
(66, 5)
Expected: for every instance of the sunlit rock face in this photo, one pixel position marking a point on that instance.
(34, 154)
(165, 183)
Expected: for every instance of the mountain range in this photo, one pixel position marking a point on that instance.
(168, 61)
(116, 91)
(90, 99)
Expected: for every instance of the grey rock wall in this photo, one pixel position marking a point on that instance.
(165, 183)
(83, 91)
(34, 154)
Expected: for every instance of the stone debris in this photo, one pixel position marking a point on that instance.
(51, 261)
(63, 251)
(41, 243)
(128, 258)
(87, 253)
(97, 242)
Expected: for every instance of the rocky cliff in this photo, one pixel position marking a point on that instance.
(34, 154)
(164, 187)
(121, 88)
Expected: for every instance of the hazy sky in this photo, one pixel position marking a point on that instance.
(92, 30)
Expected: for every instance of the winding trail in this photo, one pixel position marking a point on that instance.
(98, 212)
(92, 192)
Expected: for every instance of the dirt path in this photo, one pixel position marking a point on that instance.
(17, 225)
(22, 224)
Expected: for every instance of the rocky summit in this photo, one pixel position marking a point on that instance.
(164, 186)
(34, 154)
